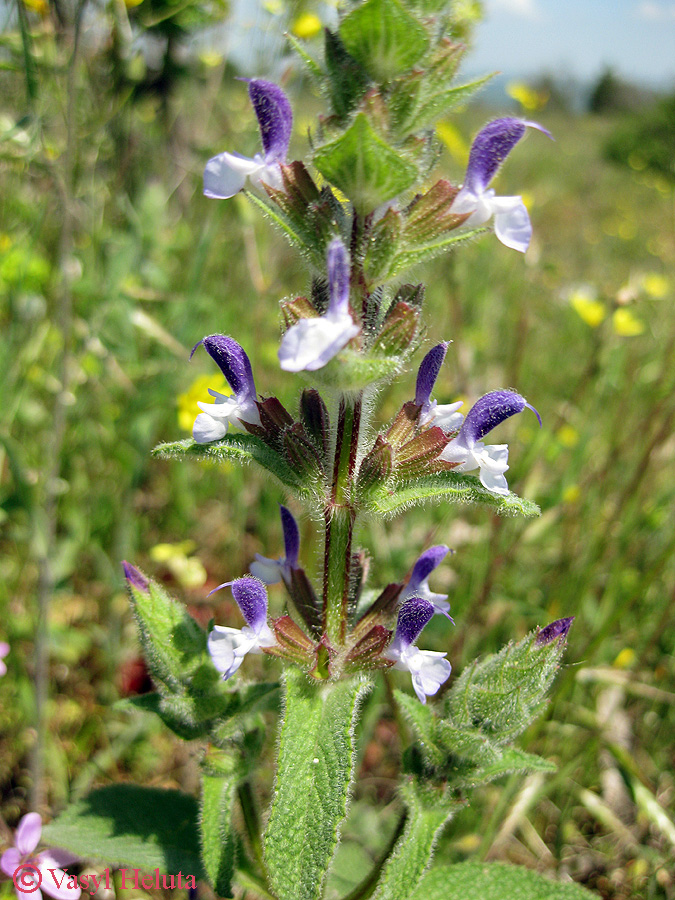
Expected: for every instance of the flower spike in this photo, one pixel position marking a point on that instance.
(272, 571)
(490, 148)
(229, 646)
(418, 586)
(468, 450)
(429, 668)
(225, 175)
(446, 415)
(311, 343)
(212, 423)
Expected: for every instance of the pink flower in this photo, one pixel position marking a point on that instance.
(32, 871)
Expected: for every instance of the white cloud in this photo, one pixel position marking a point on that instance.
(653, 11)
(524, 9)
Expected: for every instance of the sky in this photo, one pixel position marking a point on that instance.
(578, 38)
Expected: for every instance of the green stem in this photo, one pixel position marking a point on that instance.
(365, 889)
(252, 822)
(340, 517)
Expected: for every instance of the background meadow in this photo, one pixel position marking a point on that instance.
(113, 264)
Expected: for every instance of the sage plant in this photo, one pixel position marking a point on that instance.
(363, 209)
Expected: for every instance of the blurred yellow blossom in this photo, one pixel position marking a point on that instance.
(210, 58)
(625, 658)
(529, 98)
(568, 436)
(186, 569)
(41, 7)
(528, 199)
(587, 306)
(453, 140)
(571, 493)
(274, 7)
(131, 3)
(306, 26)
(198, 390)
(626, 324)
(657, 286)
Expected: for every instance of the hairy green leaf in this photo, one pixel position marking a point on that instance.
(241, 448)
(503, 693)
(452, 486)
(384, 37)
(364, 167)
(125, 825)
(415, 254)
(412, 854)
(493, 881)
(217, 835)
(316, 761)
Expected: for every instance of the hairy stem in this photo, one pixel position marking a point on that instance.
(340, 516)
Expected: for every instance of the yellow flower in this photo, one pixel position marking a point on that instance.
(131, 3)
(186, 569)
(41, 7)
(625, 658)
(306, 26)
(587, 307)
(626, 324)
(571, 494)
(528, 98)
(198, 390)
(657, 286)
(453, 140)
(210, 58)
(568, 436)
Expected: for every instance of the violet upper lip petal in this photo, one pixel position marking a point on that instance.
(490, 148)
(225, 174)
(311, 343)
(214, 420)
(272, 571)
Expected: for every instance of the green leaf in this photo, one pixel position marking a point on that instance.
(384, 37)
(412, 854)
(347, 80)
(125, 825)
(503, 693)
(513, 760)
(415, 254)
(432, 105)
(316, 763)
(364, 167)
(451, 486)
(241, 448)
(493, 881)
(312, 65)
(217, 834)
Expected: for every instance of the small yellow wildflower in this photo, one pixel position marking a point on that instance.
(306, 26)
(210, 58)
(625, 658)
(568, 436)
(626, 324)
(186, 569)
(588, 307)
(571, 494)
(41, 7)
(657, 286)
(453, 140)
(198, 390)
(274, 7)
(131, 3)
(528, 97)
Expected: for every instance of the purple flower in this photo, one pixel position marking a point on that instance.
(311, 343)
(46, 866)
(135, 577)
(471, 453)
(226, 174)
(446, 415)
(272, 571)
(429, 668)
(490, 148)
(4, 650)
(556, 631)
(229, 646)
(212, 423)
(418, 586)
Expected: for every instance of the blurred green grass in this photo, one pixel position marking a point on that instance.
(152, 266)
